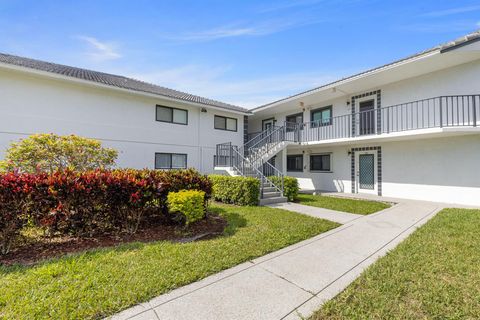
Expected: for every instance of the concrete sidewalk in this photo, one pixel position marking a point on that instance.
(332, 215)
(293, 282)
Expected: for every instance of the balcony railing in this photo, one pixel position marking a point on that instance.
(438, 112)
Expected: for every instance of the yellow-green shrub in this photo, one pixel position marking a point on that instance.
(241, 191)
(48, 152)
(290, 186)
(190, 203)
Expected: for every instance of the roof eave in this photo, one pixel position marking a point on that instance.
(57, 76)
(337, 83)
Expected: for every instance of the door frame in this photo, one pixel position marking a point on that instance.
(375, 172)
(374, 111)
(378, 162)
(269, 120)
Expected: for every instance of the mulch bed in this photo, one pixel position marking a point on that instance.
(33, 252)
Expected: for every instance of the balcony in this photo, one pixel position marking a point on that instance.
(427, 116)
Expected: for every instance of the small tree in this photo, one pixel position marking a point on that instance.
(51, 152)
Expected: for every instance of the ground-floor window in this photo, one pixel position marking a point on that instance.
(320, 162)
(295, 162)
(170, 161)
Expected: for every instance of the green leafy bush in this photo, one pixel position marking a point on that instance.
(15, 200)
(90, 202)
(189, 203)
(51, 152)
(241, 191)
(290, 186)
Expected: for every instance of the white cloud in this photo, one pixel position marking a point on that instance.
(213, 83)
(100, 51)
(244, 29)
(441, 27)
(283, 5)
(451, 11)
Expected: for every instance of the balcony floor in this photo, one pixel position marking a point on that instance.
(399, 136)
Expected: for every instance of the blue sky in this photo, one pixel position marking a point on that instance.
(243, 52)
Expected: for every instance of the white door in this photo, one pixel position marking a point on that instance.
(268, 124)
(366, 172)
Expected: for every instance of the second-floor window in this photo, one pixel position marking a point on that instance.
(295, 162)
(172, 115)
(322, 116)
(225, 123)
(294, 121)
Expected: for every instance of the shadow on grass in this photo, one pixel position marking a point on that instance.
(301, 199)
(235, 221)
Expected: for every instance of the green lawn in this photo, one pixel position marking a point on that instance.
(433, 274)
(101, 282)
(342, 204)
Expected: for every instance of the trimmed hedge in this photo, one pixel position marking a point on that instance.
(290, 186)
(189, 203)
(241, 191)
(92, 202)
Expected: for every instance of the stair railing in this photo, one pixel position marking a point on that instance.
(230, 156)
(269, 171)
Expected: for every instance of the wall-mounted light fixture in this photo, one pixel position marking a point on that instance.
(204, 110)
(350, 152)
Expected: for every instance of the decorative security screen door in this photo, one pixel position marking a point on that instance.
(366, 172)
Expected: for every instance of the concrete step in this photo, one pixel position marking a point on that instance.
(264, 202)
(267, 195)
(269, 188)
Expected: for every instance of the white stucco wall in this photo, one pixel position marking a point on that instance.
(435, 169)
(459, 80)
(337, 180)
(441, 169)
(33, 104)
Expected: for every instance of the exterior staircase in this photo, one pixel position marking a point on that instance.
(251, 160)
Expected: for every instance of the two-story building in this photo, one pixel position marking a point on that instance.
(150, 126)
(408, 129)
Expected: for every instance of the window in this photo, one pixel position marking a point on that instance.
(322, 117)
(224, 123)
(170, 161)
(221, 161)
(294, 119)
(320, 162)
(172, 115)
(295, 162)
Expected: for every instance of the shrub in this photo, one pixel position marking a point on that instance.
(290, 186)
(90, 202)
(15, 200)
(190, 203)
(51, 152)
(241, 191)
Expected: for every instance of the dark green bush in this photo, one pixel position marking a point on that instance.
(290, 185)
(241, 191)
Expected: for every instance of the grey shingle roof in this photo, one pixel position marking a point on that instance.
(444, 47)
(113, 80)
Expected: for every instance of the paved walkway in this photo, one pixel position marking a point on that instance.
(293, 282)
(332, 215)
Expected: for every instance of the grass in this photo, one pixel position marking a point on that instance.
(433, 274)
(342, 204)
(98, 283)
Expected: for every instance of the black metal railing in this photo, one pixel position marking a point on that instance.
(228, 155)
(438, 112)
